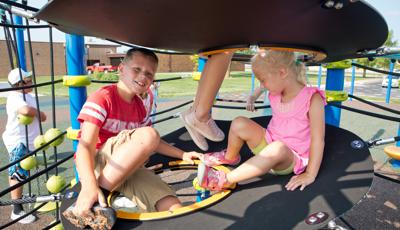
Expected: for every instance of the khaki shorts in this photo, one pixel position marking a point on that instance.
(144, 187)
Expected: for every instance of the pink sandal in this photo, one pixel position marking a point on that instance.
(218, 158)
(210, 178)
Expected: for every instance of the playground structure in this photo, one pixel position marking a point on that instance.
(77, 80)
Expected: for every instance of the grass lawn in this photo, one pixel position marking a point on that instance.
(239, 81)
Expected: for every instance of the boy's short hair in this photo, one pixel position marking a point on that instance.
(144, 51)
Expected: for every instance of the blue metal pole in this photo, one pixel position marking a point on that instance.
(19, 33)
(319, 76)
(202, 63)
(389, 87)
(202, 195)
(334, 81)
(75, 52)
(353, 77)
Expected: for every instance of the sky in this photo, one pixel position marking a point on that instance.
(389, 9)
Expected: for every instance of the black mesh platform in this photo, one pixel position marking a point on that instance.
(345, 177)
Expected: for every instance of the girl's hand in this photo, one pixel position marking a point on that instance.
(250, 104)
(301, 181)
(189, 156)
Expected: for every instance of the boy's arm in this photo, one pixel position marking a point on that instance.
(31, 111)
(86, 152)
(27, 111)
(84, 161)
(168, 150)
(317, 128)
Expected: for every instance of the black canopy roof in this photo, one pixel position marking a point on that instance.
(197, 26)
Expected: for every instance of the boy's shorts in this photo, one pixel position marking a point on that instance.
(15, 171)
(143, 187)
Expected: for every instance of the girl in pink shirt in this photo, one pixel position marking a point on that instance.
(294, 139)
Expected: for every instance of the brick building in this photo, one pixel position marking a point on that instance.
(96, 53)
(41, 58)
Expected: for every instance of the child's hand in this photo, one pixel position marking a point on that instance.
(301, 181)
(43, 116)
(250, 104)
(189, 156)
(87, 197)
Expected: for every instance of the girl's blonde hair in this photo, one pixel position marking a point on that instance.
(270, 60)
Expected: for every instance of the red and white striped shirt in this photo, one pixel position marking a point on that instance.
(106, 109)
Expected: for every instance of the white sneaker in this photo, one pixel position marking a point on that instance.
(27, 220)
(124, 204)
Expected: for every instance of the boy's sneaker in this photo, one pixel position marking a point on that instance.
(103, 219)
(124, 204)
(27, 220)
(218, 158)
(197, 138)
(210, 178)
(208, 129)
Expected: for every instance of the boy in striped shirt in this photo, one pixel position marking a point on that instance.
(116, 141)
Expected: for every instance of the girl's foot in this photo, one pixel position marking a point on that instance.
(211, 179)
(218, 158)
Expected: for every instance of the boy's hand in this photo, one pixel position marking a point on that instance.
(43, 116)
(87, 197)
(189, 156)
(301, 181)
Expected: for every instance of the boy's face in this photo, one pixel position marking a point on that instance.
(27, 81)
(138, 73)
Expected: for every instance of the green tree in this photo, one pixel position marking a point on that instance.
(390, 42)
(366, 62)
(379, 62)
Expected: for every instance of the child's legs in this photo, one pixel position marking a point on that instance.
(168, 203)
(210, 82)
(275, 156)
(149, 192)
(243, 130)
(16, 193)
(15, 170)
(124, 154)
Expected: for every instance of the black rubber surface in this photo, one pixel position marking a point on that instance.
(195, 26)
(345, 177)
(380, 209)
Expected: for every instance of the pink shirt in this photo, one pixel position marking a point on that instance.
(290, 124)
